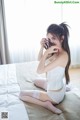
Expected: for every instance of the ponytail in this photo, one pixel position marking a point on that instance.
(65, 46)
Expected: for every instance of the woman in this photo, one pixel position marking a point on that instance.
(55, 63)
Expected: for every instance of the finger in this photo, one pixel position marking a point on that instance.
(56, 47)
(45, 46)
(42, 42)
(44, 39)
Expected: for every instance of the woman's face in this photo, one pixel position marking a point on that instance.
(54, 39)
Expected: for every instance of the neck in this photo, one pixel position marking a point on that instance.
(61, 50)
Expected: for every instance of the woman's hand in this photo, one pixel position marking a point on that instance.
(43, 42)
(52, 49)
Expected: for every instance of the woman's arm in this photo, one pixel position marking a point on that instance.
(40, 53)
(42, 66)
(60, 61)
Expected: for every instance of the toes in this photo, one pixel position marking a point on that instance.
(58, 111)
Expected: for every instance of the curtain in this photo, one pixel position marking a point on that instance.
(71, 16)
(4, 54)
(27, 21)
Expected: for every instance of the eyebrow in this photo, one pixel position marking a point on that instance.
(53, 37)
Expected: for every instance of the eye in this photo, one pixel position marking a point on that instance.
(53, 38)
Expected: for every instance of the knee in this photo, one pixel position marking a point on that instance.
(35, 82)
(21, 95)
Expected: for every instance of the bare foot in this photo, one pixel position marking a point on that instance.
(68, 88)
(52, 108)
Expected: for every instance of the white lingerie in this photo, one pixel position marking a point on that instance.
(55, 84)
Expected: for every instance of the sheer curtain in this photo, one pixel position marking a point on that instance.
(71, 16)
(27, 21)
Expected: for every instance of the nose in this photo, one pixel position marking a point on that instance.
(50, 40)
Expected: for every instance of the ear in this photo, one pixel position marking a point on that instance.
(62, 38)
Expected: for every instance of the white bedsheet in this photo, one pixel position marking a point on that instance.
(9, 94)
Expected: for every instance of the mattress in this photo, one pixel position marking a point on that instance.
(11, 108)
(17, 77)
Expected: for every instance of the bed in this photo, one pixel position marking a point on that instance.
(20, 76)
(11, 108)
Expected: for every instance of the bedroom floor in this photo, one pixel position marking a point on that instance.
(75, 76)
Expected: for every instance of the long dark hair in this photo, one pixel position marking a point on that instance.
(62, 30)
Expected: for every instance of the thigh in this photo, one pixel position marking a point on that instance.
(41, 95)
(44, 97)
(41, 83)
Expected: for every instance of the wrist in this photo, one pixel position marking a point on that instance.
(45, 54)
(41, 49)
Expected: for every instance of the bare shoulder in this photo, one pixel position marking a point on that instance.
(65, 54)
(64, 58)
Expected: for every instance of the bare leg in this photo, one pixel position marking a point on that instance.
(41, 83)
(43, 101)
